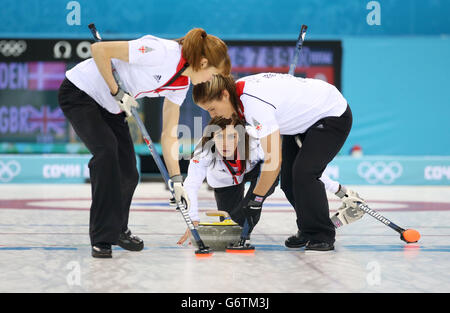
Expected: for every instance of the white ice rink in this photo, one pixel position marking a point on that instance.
(44, 246)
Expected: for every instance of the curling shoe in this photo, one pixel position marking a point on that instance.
(130, 242)
(296, 241)
(102, 251)
(319, 246)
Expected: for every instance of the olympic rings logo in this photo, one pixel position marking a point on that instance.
(9, 170)
(12, 48)
(380, 172)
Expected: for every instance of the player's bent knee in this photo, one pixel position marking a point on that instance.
(304, 176)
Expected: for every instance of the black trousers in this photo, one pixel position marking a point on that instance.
(229, 199)
(113, 172)
(302, 168)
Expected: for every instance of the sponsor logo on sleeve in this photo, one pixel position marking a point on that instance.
(145, 49)
(257, 125)
(157, 78)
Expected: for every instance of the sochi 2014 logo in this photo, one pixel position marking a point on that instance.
(9, 170)
(380, 172)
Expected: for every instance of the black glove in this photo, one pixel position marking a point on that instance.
(252, 210)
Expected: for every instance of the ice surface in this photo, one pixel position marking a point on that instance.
(44, 246)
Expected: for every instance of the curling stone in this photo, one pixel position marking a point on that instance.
(218, 235)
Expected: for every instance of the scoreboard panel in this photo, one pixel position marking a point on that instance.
(31, 71)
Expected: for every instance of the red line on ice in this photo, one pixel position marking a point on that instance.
(28, 204)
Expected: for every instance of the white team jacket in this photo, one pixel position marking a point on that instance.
(217, 174)
(152, 63)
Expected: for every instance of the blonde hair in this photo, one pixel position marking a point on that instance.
(197, 44)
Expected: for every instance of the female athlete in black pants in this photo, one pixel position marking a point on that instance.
(227, 158)
(96, 107)
(280, 104)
